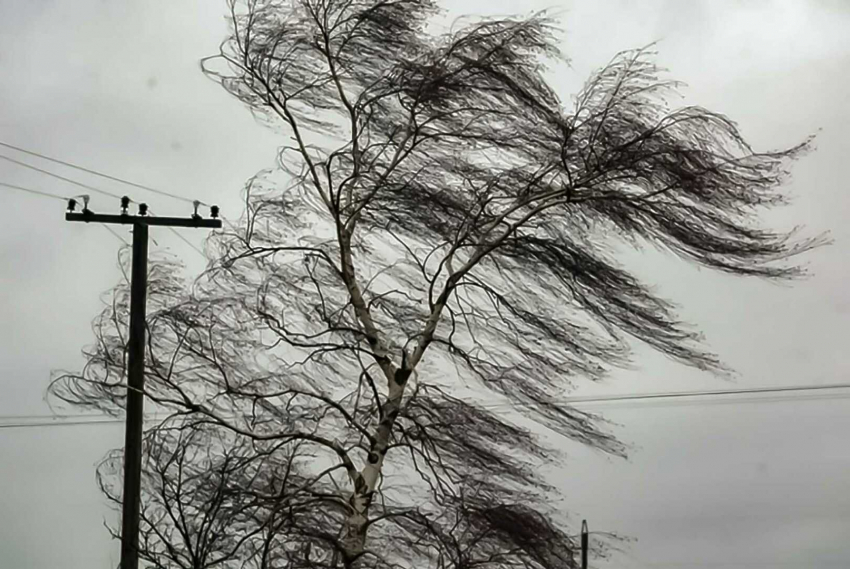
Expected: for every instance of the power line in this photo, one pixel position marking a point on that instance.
(115, 233)
(90, 420)
(682, 397)
(54, 417)
(723, 392)
(101, 174)
(62, 420)
(58, 197)
(64, 199)
(62, 424)
(31, 191)
(106, 176)
(63, 178)
(187, 242)
(179, 236)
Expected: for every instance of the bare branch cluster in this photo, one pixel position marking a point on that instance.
(443, 229)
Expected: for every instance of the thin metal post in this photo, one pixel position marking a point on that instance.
(584, 544)
(135, 400)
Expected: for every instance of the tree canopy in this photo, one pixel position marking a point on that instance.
(438, 237)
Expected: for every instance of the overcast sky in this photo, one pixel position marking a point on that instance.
(116, 86)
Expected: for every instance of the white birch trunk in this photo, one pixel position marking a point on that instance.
(354, 535)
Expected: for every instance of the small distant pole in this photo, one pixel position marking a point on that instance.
(585, 538)
(136, 355)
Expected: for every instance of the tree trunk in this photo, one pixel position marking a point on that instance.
(354, 533)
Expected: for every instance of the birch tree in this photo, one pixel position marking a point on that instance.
(435, 247)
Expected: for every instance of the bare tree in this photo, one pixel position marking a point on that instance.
(441, 241)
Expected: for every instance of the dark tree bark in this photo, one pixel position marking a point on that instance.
(434, 238)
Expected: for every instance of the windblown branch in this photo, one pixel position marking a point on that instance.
(441, 230)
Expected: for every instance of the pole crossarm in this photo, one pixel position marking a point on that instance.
(126, 219)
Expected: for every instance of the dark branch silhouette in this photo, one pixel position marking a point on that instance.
(437, 237)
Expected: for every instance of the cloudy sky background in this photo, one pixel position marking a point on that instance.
(749, 484)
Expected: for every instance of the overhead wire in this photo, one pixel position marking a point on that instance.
(187, 242)
(31, 191)
(101, 174)
(58, 197)
(69, 423)
(721, 392)
(115, 233)
(106, 176)
(799, 392)
(180, 236)
(45, 194)
(57, 176)
(54, 417)
(570, 401)
(792, 393)
(100, 420)
(506, 405)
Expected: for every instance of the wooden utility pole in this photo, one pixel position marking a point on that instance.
(585, 539)
(136, 355)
